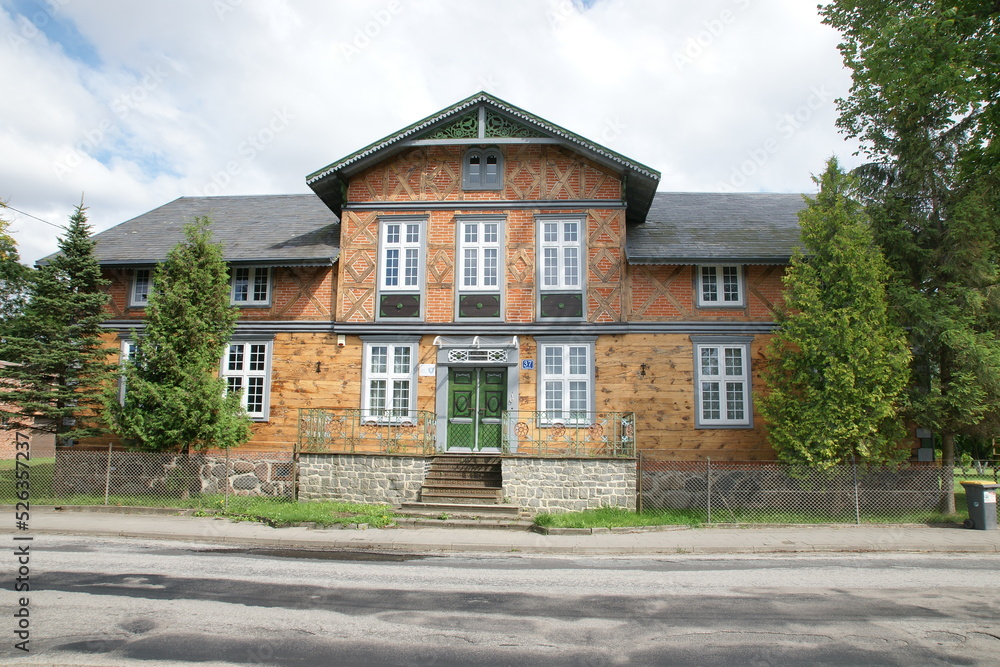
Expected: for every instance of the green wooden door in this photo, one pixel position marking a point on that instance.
(476, 399)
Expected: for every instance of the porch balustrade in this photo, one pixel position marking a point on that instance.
(352, 431)
(584, 434)
(525, 433)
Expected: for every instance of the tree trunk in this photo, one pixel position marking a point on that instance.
(948, 473)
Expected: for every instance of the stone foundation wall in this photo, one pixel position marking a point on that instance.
(169, 476)
(362, 478)
(568, 485)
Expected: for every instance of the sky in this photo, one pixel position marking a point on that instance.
(128, 105)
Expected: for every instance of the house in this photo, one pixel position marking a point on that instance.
(486, 282)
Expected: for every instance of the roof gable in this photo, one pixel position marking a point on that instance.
(483, 118)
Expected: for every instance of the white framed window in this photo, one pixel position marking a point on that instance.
(482, 169)
(246, 367)
(142, 283)
(566, 381)
(250, 286)
(719, 285)
(722, 383)
(560, 248)
(390, 381)
(126, 354)
(479, 255)
(399, 269)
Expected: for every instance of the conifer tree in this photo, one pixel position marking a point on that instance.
(174, 399)
(838, 366)
(59, 358)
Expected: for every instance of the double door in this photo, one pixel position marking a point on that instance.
(476, 399)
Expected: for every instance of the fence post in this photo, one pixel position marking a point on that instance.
(857, 502)
(638, 482)
(708, 482)
(107, 476)
(225, 502)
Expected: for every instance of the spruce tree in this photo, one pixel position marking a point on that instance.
(60, 361)
(174, 399)
(837, 367)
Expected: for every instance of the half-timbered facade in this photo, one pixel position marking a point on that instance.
(492, 281)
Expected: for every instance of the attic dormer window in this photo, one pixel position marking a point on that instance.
(482, 169)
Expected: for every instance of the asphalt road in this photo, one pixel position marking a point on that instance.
(125, 602)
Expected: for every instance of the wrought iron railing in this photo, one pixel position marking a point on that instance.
(542, 433)
(352, 431)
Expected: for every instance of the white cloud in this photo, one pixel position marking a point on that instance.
(182, 96)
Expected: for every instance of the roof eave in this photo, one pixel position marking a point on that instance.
(781, 260)
(328, 260)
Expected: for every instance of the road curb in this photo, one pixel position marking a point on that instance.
(354, 543)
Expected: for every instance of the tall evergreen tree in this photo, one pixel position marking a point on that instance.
(924, 103)
(60, 358)
(837, 367)
(174, 399)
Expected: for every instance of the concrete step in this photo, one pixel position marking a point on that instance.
(463, 481)
(464, 474)
(436, 509)
(449, 496)
(462, 490)
(465, 467)
(476, 459)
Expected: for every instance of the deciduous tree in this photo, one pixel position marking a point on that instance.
(14, 277)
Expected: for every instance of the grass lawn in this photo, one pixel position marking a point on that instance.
(40, 473)
(619, 517)
(278, 512)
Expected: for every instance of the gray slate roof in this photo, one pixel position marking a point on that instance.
(296, 230)
(705, 227)
(280, 230)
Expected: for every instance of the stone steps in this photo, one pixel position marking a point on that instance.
(463, 479)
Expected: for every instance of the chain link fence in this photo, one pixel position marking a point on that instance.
(200, 480)
(768, 492)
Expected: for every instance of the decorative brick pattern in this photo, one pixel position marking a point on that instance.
(298, 293)
(663, 293)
